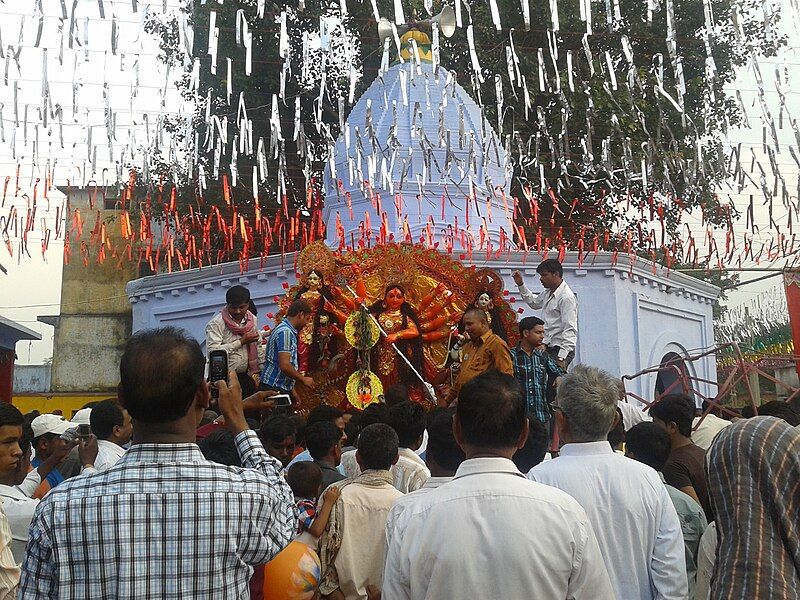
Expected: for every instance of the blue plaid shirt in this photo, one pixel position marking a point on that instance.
(282, 339)
(531, 371)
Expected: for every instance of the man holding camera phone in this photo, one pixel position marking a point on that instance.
(163, 505)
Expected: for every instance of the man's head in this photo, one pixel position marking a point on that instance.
(11, 422)
(648, 443)
(531, 329)
(324, 442)
(324, 412)
(408, 421)
(299, 314)
(237, 301)
(219, 447)
(305, 479)
(278, 436)
(586, 405)
(47, 429)
(551, 273)
(111, 422)
(377, 447)
(535, 448)
(490, 415)
(475, 323)
(443, 454)
(161, 379)
(616, 435)
(674, 413)
(781, 410)
(395, 395)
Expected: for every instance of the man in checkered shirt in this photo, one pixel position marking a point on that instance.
(163, 522)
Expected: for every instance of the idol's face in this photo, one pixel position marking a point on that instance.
(483, 301)
(314, 281)
(394, 298)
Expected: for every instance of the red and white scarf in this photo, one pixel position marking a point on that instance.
(240, 330)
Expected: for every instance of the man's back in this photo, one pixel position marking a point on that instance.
(632, 515)
(163, 522)
(490, 533)
(360, 559)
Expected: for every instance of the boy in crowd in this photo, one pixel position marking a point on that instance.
(324, 443)
(305, 479)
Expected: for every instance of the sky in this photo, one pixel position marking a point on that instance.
(32, 286)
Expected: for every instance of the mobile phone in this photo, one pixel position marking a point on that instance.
(282, 400)
(84, 432)
(217, 369)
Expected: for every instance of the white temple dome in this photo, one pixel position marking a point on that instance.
(417, 158)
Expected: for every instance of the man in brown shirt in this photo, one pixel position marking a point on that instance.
(684, 468)
(483, 352)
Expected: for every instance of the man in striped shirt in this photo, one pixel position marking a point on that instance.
(164, 522)
(280, 361)
(532, 365)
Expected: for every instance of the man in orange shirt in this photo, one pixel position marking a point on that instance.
(483, 352)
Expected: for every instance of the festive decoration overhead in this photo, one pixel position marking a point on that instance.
(473, 127)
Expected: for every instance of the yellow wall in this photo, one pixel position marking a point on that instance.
(47, 403)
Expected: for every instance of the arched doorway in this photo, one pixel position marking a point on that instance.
(672, 375)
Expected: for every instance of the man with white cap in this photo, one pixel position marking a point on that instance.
(47, 432)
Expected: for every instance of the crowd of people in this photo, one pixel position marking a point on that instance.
(533, 482)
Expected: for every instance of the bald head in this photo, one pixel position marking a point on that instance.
(475, 323)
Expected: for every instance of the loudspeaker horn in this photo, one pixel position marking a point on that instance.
(384, 29)
(446, 20)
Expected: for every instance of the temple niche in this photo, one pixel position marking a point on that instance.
(418, 162)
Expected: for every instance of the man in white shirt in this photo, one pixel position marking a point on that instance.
(490, 533)
(408, 420)
(112, 426)
(443, 457)
(559, 310)
(353, 546)
(635, 521)
(16, 484)
(705, 428)
(234, 329)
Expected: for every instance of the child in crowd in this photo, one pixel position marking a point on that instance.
(305, 479)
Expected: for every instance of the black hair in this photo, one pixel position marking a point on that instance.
(353, 427)
(442, 446)
(616, 435)
(252, 308)
(26, 439)
(649, 444)
(408, 421)
(378, 446)
(277, 428)
(551, 265)
(675, 408)
(297, 307)
(323, 412)
(321, 437)
(411, 348)
(304, 478)
(395, 394)
(491, 411)
(377, 412)
(10, 415)
(219, 447)
(780, 409)
(104, 417)
(535, 448)
(237, 295)
(529, 323)
(160, 371)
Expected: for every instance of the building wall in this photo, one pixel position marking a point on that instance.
(95, 316)
(31, 379)
(629, 317)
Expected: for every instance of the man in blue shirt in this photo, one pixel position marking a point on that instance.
(280, 363)
(532, 365)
